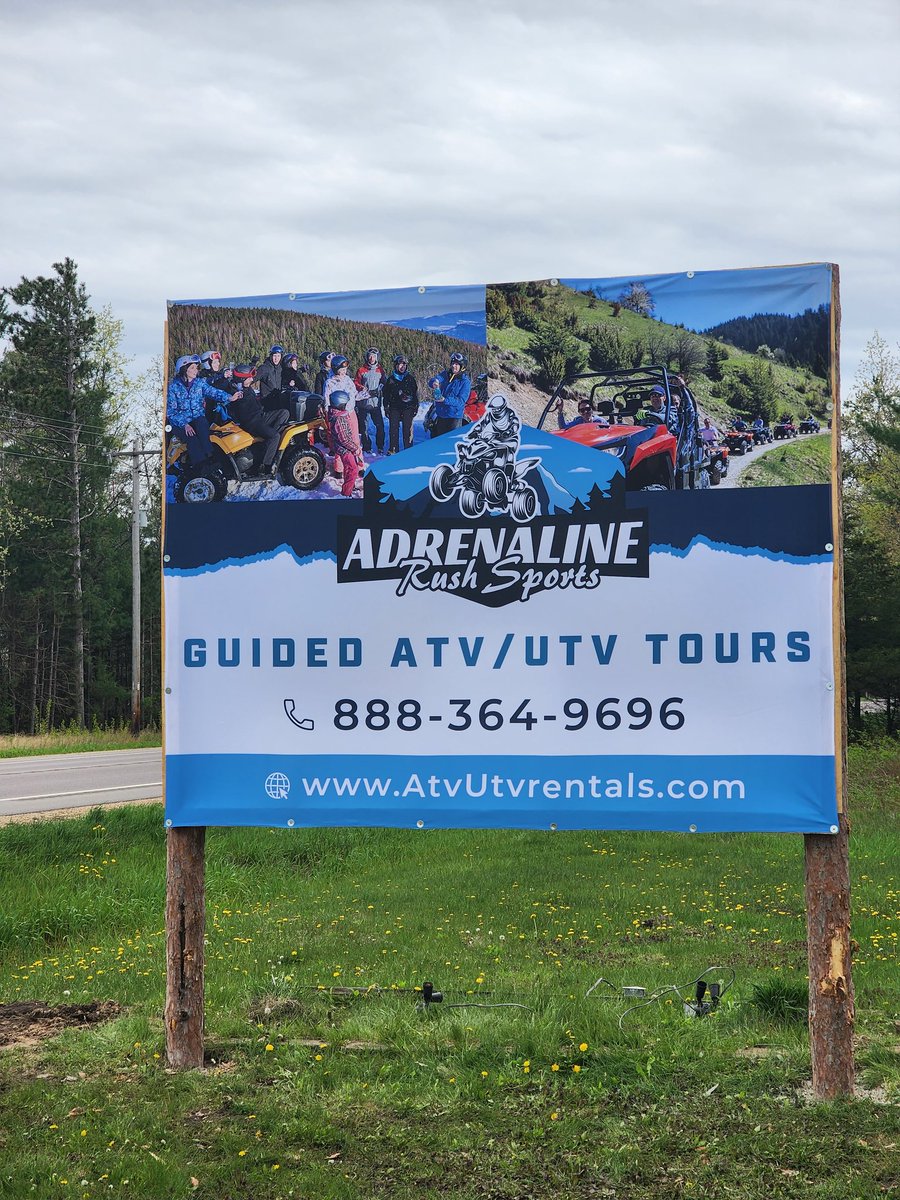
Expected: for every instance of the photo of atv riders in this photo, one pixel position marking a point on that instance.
(219, 438)
(644, 416)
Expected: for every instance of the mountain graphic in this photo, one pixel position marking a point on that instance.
(566, 477)
(467, 326)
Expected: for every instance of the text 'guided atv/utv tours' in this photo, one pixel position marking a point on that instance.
(237, 458)
(648, 419)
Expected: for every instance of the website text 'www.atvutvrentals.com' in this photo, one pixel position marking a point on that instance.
(503, 787)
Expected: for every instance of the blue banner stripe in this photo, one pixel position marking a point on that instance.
(696, 793)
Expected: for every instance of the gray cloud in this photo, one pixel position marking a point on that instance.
(188, 150)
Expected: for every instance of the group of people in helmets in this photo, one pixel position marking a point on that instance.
(262, 401)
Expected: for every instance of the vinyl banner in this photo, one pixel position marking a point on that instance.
(543, 555)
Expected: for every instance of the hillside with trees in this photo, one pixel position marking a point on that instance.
(800, 341)
(540, 332)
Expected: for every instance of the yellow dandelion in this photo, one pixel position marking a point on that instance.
(583, 1047)
(554, 1066)
(484, 1074)
(241, 1153)
(269, 1046)
(318, 1058)
(576, 1068)
(554, 1116)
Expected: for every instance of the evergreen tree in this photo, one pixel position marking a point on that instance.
(55, 426)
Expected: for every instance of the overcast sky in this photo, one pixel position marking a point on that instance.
(200, 149)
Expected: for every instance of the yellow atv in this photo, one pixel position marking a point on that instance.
(237, 458)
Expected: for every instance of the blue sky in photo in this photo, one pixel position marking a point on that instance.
(701, 299)
(456, 311)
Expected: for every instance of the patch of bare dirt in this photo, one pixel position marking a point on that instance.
(28, 1022)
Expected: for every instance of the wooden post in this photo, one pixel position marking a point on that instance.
(831, 1004)
(185, 927)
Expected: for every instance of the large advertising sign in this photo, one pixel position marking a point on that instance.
(488, 556)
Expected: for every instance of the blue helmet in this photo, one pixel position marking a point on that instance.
(339, 399)
(339, 361)
(456, 357)
(401, 358)
(185, 361)
(324, 356)
(276, 350)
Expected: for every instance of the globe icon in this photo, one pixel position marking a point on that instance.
(277, 786)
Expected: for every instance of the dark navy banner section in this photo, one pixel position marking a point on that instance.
(690, 793)
(791, 521)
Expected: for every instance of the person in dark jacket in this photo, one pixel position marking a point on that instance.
(293, 380)
(292, 377)
(401, 401)
(324, 372)
(269, 375)
(451, 390)
(245, 408)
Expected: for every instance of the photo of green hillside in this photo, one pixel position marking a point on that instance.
(540, 333)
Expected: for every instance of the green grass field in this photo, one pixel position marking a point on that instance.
(75, 741)
(804, 460)
(313, 1094)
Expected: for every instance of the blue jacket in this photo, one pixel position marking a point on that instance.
(455, 391)
(185, 402)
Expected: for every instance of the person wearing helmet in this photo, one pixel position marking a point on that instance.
(499, 428)
(292, 377)
(340, 380)
(401, 399)
(269, 375)
(369, 382)
(301, 407)
(266, 424)
(186, 398)
(323, 372)
(212, 371)
(344, 437)
(451, 391)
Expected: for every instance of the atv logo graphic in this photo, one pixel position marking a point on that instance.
(463, 513)
(486, 473)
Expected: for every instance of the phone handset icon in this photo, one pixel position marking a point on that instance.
(305, 723)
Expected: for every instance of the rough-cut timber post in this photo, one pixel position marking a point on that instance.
(185, 926)
(830, 980)
(831, 1006)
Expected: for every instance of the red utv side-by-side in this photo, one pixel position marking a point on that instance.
(659, 451)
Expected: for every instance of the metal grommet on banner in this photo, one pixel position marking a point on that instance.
(829, 546)
(168, 429)
(168, 824)
(168, 691)
(290, 822)
(554, 283)
(830, 686)
(552, 826)
(692, 828)
(421, 291)
(420, 824)
(292, 295)
(166, 558)
(690, 274)
(834, 829)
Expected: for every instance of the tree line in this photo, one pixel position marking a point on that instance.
(68, 413)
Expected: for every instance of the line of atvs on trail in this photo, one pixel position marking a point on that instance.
(741, 438)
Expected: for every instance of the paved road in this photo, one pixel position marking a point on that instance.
(738, 463)
(45, 782)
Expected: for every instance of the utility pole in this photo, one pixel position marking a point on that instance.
(135, 588)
